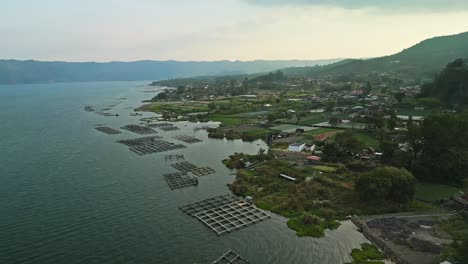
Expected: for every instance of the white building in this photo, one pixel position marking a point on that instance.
(297, 147)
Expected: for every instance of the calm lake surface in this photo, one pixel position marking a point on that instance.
(70, 194)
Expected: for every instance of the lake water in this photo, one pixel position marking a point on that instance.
(70, 194)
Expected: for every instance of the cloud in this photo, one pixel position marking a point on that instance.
(388, 5)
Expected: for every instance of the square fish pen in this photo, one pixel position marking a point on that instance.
(224, 214)
(107, 130)
(164, 126)
(230, 257)
(149, 145)
(202, 171)
(184, 166)
(142, 130)
(169, 128)
(188, 139)
(180, 180)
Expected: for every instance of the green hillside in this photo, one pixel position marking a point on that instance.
(421, 60)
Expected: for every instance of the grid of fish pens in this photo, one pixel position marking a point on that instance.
(231, 217)
(202, 171)
(107, 130)
(224, 214)
(194, 208)
(188, 139)
(174, 157)
(149, 145)
(142, 130)
(164, 126)
(184, 166)
(230, 257)
(180, 180)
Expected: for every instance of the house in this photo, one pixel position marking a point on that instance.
(296, 147)
(314, 160)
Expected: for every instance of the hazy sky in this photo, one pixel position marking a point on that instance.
(106, 30)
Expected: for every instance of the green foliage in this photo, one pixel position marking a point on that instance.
(431, 192)
(311, 225)
(386, 183)
(399, 96)
(367, 254)
(161, 96)
(457, 227)
(451, 86)
(443, 145)
(342, 148)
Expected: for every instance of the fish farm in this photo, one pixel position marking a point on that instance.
(230, 257)
(202, 171)
(107, 130)
(184, 166)
(149, 145)
(188, 139)
(225, 214)
(164, 126)
(176, 157)
(180, 180)
(142, 130)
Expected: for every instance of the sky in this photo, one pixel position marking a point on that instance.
(207, 30)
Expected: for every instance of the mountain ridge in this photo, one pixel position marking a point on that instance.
(424, 59)
(33, 71)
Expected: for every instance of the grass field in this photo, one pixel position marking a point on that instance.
(230, 120)
(320, 131)
(431, 192)
(327, 169)
(367, 139)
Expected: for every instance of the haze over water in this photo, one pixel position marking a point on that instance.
(70, 194)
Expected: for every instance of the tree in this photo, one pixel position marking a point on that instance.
(180, 90)
(399, 96)
(334, 121)
(451, 85)
(162, 96)
(212, 106)
(386, 184)
(331, 152)
(344, 147)
(442, 148)
(366, 90)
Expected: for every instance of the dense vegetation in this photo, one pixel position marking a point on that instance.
(386, 184)
(439, 148)
(368, 254)
(451, 85)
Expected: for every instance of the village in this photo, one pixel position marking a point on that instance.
(327, 139)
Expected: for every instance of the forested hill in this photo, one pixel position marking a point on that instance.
(421, 60)
(14, 71)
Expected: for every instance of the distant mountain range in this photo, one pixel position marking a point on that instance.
(421, 60)
(14, 71)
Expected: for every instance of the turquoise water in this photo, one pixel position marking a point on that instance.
(70, 194)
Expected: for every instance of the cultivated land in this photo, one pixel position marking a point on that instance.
(341, 147)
